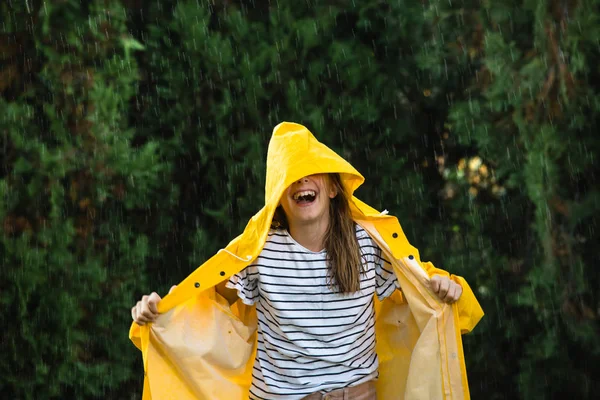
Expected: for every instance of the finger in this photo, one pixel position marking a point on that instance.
(136, 313)
(458, 292)
(449, 298)
(138, 309)
(141, 320)
(435, 283)
(444, 286)
(153, 300)
(147, 315)
(172, 288)
(145, 309)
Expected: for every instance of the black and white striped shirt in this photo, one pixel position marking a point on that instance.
(309, 338)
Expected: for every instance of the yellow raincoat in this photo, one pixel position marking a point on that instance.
(200, 348)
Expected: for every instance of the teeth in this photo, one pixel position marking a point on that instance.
(305, 193)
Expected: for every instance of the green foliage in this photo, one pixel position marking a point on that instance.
(531, 115)
(134, 137)
(73, 190)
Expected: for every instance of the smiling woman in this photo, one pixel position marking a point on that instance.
(313, 287)
(330, 225)
(307, 201)
(321, 263)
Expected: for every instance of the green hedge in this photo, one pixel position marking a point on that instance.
(133, 140)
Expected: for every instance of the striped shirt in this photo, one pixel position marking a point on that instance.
(311, 339)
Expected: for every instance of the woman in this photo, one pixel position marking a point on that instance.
(313, 285)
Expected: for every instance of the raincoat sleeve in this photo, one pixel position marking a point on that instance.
(469, 310)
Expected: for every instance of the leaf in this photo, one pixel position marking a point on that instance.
(22, 166)
(130, 44)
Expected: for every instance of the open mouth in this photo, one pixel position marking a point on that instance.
(304, 197)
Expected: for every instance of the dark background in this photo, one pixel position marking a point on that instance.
(133, 140)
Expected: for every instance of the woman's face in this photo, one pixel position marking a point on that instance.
(306, 201)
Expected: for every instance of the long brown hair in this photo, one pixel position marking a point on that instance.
(343, 251)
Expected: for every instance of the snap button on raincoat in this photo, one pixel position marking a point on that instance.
(200, 348)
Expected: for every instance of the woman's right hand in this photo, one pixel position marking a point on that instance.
(146, 310)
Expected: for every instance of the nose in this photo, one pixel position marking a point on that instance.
(302, 180)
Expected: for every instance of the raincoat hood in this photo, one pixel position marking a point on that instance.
(200, 348)
(294, 153)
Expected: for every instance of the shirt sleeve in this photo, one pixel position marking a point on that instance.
(246, 284)
(386, 281)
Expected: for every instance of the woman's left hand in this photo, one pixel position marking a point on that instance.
(445, 288)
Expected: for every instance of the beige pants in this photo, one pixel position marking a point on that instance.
(364, 391)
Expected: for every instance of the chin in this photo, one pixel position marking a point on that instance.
(309, 218)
